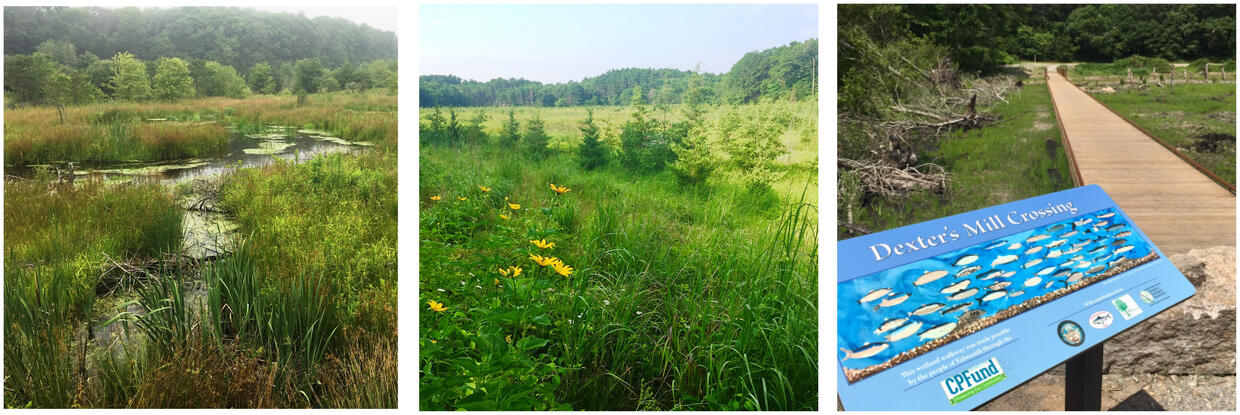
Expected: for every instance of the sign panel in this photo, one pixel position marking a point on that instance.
(949, 314)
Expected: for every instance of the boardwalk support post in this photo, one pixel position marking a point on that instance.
(1083, 381)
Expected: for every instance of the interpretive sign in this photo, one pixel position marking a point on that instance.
(949, 314)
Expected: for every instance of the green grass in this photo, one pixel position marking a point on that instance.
(680, 298)
(1179, 114)
(1020, 157)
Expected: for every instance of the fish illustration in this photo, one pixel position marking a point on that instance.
(1115, 227)
(1035, 249)
(1048, 284)
(1097, 250)
(1033, 281)
(930, 276)
(1075, 258)
(1119, 241)
(994, 295)
(889, 324)
(1054, 254)
(1016, 293)
(965, 260)
(865, 351)
(1101, 224)
(958, 307)
(1009, 274)
(1057, 228)
(1123, 234)
(1070, 234)
(1076, 276)
(938, 331)
(1083, 221)
(1004, 259)
(1123, 249)
(1096, 269)
(888, 302)
(905, 331)
(1103, 258)
(874, 295)
(1014, 246)
(991, 275)
(1036, 238)
(968, 270)
(1073, 250)
(1106, 215)
(1032, 263)
(927, 309)
(955, 287)
(1057, 243)
(963, 294)
(999, 285)
(1047, 270)
(1062, 272)
(997, 244)
(1083, 264)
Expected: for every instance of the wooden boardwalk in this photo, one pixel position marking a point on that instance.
(1179, 207)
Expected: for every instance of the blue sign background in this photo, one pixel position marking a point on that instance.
(1023, 345)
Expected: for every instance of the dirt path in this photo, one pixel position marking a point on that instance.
(1177, 206)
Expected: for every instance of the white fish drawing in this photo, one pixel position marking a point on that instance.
(927, 309)
(938, 331)
(994, 295)
(958, 307)
(1036, 238)
(930, 276)
(1033, 281)
(874, 295)
(865, 351)
(1083, 221)
(1016, 293)
(997, 244)
(888, 302)
(1083, 264)
(999, 285)
(965, 260)
(1115, 227)
(1123, 249)
(1057, 228)
(1054, 254)
(1096, 269)
(1032, 263)
(1106, 215)
(1004, 259)
(905, 331)
(1035, 249)
(968, 270)
(1046, 270)
(1123, 234)
(1014, 246)
(891, 323)
(963, 294)
(991, 275)
(1070, 234)
(955, 287)
(1062, 272)
(1048, 284)
(1076, 276)
(1009, 274)
(1057, 243)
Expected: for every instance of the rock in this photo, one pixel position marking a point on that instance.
(1107, 90)
(1197, 336)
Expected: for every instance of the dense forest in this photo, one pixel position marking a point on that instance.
(979, 37)
(781, 72)
(234, 37)
(52, 54)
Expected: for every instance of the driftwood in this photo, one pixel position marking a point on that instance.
(135, 272)
(894, 183)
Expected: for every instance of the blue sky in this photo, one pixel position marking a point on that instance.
(558, 43)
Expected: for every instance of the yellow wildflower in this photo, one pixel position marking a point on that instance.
(514, 206)
(484, 188)
(516, 271)
(512, 271)
(503, 271)
(542, 243)
(562, 269)
(462, 199)
(508, 339)
(497, 281)
(559, 189)
(503, 216)
(433, 341)
(436, 197)
(544, 261)
(436, 307)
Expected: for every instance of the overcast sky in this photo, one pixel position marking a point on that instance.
(558, 43)
(382, 18)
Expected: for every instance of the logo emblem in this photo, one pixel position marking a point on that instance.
(1127, 307)
(1147, 297)
(973, 380)
(1101, 319)
(1071, 333)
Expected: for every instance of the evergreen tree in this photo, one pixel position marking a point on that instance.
(511, 133)
(536, 137)
(592, 151)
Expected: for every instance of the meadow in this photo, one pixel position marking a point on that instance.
(1198, 119)
(103, 309)
(546, 285)
(1018, 157)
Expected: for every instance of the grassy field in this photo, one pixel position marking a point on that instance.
(660, 295)
(301, 313)
(1197, 119)
(1019, 157)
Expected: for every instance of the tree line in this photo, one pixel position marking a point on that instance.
(979, 38)
(234, 37)
(56, 75)
(783, 72)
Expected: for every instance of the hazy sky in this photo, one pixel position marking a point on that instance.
(558, 43)
(382, 18)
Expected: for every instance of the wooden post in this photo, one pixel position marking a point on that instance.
(1129, 75)
(1171, 81)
